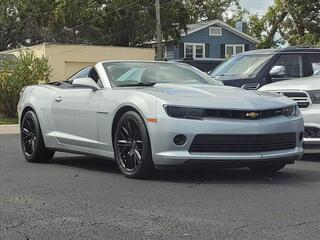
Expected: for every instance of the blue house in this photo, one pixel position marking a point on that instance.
(210, 40)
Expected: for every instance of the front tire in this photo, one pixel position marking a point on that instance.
(33, 147)
(132, 146)
(268, 168)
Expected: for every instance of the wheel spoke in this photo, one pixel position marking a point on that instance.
(28, 124)
(137, 155)
(27, 145)
(27, 137)
(139, 145)
(124, 133)
(129, 128)
(124, 143)
(129, 161)
(26, 131)
(136, 134)
(33, 144)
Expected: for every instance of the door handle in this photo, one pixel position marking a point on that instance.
(251, 86)
(58, 99)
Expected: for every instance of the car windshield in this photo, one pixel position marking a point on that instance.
(241, 65)
(150, 73)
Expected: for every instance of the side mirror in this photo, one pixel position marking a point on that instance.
(277, 72)
(86, 83)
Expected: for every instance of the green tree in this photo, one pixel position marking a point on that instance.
(135, 24)
(302, 26)
(10, 26)
(212, 9)
(297, 22)
(16, 75)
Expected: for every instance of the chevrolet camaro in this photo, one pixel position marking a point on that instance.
(146, 115)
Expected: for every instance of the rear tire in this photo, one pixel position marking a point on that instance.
(267, 168)
(33, 147)
(132, 147)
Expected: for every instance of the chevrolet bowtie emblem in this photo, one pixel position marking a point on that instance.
(252, 114)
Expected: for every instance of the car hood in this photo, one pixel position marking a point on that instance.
(219, 97)
(308, 83)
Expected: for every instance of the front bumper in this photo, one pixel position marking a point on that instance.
(311, 117)
(165, 152)
(183, 157)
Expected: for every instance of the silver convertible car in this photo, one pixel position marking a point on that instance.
(150, 114)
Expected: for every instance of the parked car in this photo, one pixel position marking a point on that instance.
(306, 92)
(147, 114)
(254, 69)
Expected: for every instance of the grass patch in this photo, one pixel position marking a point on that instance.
(6, 121)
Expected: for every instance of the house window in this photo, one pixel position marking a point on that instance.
(215, 31)
(188, 51)
(194, 50)
(232, 49)
(199, 51)
(168, 53)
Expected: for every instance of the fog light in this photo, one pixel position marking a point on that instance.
(301, 136)
(180, 139)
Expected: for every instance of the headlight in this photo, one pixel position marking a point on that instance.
(315, 96)
(184, 112)
(291, 111)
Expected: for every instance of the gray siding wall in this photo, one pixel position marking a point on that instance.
(215, 42)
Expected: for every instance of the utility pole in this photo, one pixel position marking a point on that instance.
(159, 34)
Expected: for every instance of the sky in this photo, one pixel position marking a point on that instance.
(256, 6)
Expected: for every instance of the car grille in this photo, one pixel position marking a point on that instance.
(243, 143)
(302, 98)
(311, 132)
(241, 114)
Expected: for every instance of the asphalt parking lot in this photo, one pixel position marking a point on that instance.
(77, 197)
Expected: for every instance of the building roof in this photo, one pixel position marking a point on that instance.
(192, 28)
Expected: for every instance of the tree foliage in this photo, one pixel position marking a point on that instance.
(103, 22)
(213, 9)
(296, 21)
(16, 75)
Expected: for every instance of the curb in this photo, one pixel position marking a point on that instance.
(9, 129)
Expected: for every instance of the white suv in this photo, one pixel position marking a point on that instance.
(306, 92)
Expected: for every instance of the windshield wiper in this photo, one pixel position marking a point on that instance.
(138, 84)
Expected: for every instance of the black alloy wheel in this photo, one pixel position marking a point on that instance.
(32, 143)
(29, 137)
(132, 146)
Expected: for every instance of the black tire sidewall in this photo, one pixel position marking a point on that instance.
(146, 167)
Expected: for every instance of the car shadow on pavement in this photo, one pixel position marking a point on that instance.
(311, 157)
(87, 162)
(289, 175)
(223, 175)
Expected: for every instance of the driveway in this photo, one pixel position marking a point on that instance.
(77, 197)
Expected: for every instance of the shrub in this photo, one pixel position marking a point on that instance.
(16, 75)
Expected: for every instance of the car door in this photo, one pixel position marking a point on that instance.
(74, 116)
